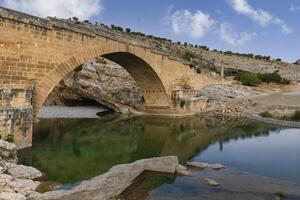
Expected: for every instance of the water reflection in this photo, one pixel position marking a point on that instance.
(70, 150)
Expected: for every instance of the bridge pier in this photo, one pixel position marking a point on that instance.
(16, 115)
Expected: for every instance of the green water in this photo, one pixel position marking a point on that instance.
(72, 150)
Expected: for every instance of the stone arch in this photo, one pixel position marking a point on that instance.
(146, 77)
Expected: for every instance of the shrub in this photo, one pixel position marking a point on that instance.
(188, 56)
(249, 79)
(10, 138)
(182, 103)
(296, 115)
(266, 114)
(270, 77)
(273, 78)
(128, 30)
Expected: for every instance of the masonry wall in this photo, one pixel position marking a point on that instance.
(16, 115)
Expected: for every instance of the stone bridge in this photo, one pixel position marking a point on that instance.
(36, 54)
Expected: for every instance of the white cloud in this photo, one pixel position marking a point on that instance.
(262, 17)
(284, 27)
(194, 25)
(227, 34)
(83, 9)
(294, 8)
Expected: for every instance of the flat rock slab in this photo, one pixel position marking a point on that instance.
(113, 182)
(182, 170)
(200, 165)
(211, 182)
(203, 165)
(216, 166)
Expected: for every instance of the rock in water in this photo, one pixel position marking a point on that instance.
(216, 166)
(182, 170)
(211, 182)
(200, 165)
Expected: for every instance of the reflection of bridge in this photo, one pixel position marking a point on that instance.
(38, 53)
(95, 146)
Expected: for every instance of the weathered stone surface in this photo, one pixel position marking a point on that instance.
(28, 183)
(102, 81)
(113, 182)
(11, 196)
(8, 151)
(23, 172)
(222, 93)
(200, 165)
(11, 185)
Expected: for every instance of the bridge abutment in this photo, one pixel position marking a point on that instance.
(16, 116)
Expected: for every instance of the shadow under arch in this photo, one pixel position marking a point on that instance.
(147, 79)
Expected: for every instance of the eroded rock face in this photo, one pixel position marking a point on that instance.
(8, 151)
(15, 180)
(102, 81)
(23, 172)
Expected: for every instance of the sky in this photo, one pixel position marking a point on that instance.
(266, 27)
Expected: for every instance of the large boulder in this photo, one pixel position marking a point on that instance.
(23, 172)
(101, 81)
(8, 151)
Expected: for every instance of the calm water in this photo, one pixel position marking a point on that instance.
(71, 150)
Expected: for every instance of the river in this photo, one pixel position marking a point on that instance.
(71, 150)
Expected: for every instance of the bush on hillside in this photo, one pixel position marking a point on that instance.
(249, 79)
(128, 30)
(270, 77)
(266, 114)
(188, 56)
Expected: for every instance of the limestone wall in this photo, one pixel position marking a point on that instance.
(16, 116)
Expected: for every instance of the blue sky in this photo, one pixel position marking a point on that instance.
(267, 27)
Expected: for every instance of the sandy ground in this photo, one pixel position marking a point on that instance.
(70, 112)
(283, 98)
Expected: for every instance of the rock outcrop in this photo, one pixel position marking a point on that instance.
(8, 151)
(297, 62)
(16, 181)
(102, 81)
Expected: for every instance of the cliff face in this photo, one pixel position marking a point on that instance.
(104, 82)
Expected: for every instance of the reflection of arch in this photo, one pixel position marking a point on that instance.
(135, 63)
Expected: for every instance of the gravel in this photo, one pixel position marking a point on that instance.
(70, 112)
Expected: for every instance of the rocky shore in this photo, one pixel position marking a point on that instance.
(17, 182)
